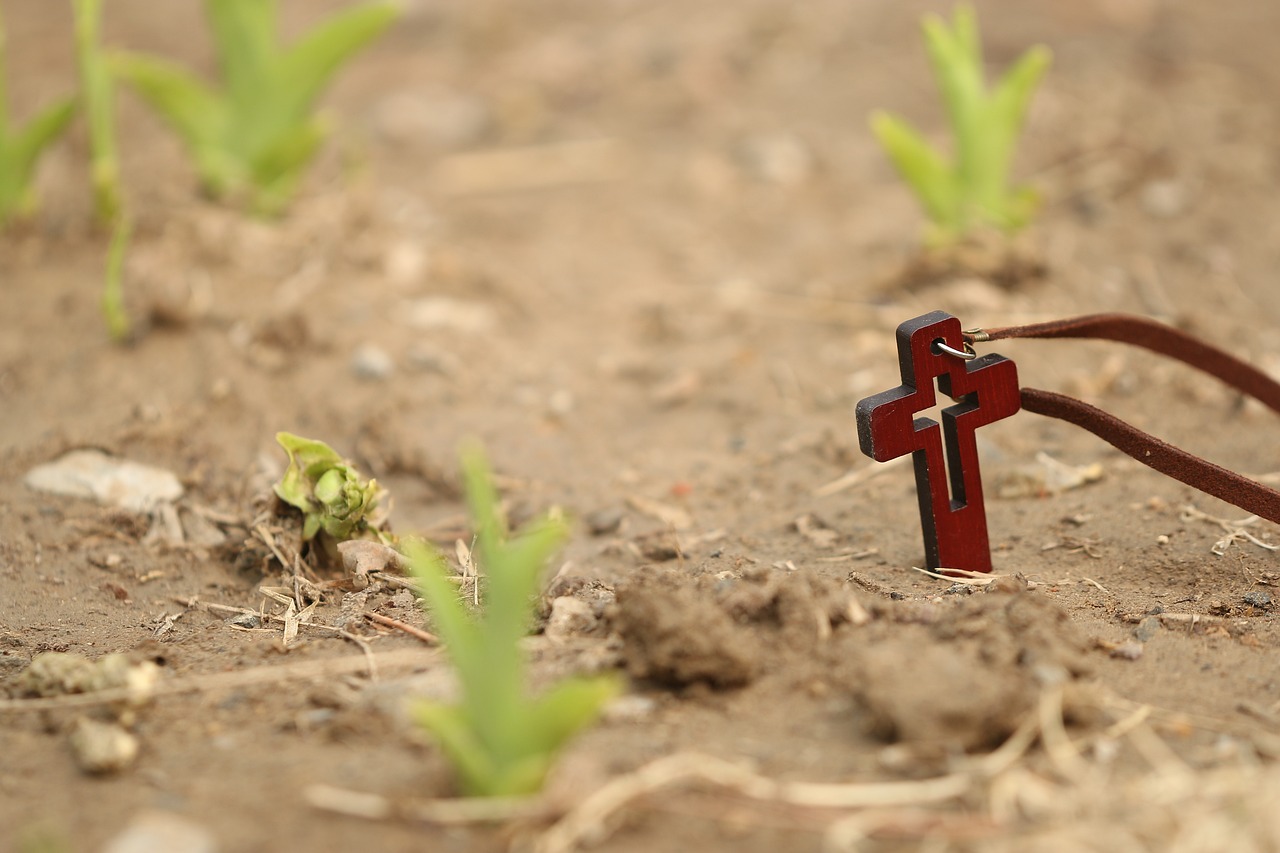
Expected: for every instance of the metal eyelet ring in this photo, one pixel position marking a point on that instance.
(967, 354)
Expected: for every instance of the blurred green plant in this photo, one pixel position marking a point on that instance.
(335, 500)
(42, 837)
(256, 133)
(972, 189)
(501, 741)
(21, 148)
(97, 91)
(113, 311)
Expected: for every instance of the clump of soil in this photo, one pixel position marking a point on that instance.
(968, 675)
(676, 637)
(723, 631)
(957, 675)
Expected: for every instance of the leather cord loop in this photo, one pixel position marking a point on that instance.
(1162, 456)
(1172, 461)
(1157, 337)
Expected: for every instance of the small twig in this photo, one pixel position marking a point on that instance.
(858, 477)
(1123, 727)
(270, 541)
(1235, 530)
(853, 555)
(1157, 753)
(411, 584)
(223, 680)
(961, 576)
(1253, 709)
(588, 819)
(425, 636)
(287, 620)
(1001, 759)
(1053, 736)
(1193, 618)
(462, 811)
(208, 513)
(371, 661)
(1094, 583)
(1179, 719)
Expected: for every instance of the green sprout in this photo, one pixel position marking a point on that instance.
(21, 147)
(501, 741)
(257, 132)
(973, 189)
(98, 95)
(113, 311)
(334, 498)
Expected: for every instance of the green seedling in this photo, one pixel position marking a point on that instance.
(42, 837)
(972, 189)
(256, 132)
(113, 310)
(21, 147)
(335, 500)
(501, 740)
(98, 93)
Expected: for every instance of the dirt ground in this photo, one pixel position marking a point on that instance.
(650, 255)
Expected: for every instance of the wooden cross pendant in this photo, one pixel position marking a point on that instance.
(948, 480)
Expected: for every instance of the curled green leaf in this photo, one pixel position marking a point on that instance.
(332, 495)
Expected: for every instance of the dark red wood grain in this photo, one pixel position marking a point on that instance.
(985, 390)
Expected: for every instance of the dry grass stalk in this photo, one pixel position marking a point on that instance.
(425, 636)
(466, 811)
(270, 675)
(962, 576)
(1235, 530)
(588, 822)
(1165, 808)
(859, 476)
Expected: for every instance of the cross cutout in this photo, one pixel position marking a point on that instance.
(985, 390)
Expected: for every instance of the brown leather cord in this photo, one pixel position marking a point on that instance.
(1162, 456)
(1157, 337)
(1147, 449)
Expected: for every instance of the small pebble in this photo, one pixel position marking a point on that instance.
(1007, 584)
(426, 358)
(106, 479)
(604, 521)
(1164, 199)
(432, 313)
(561, 402)
(10, 663)
(569, 617)
(779, 158)
(1258, 599)
(1128, 650)
(1147, 629)
(631, 708)
(151, 831)
(405, 263)
(102, 748)
(371, 362)
(246, 620)
(60, 673)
